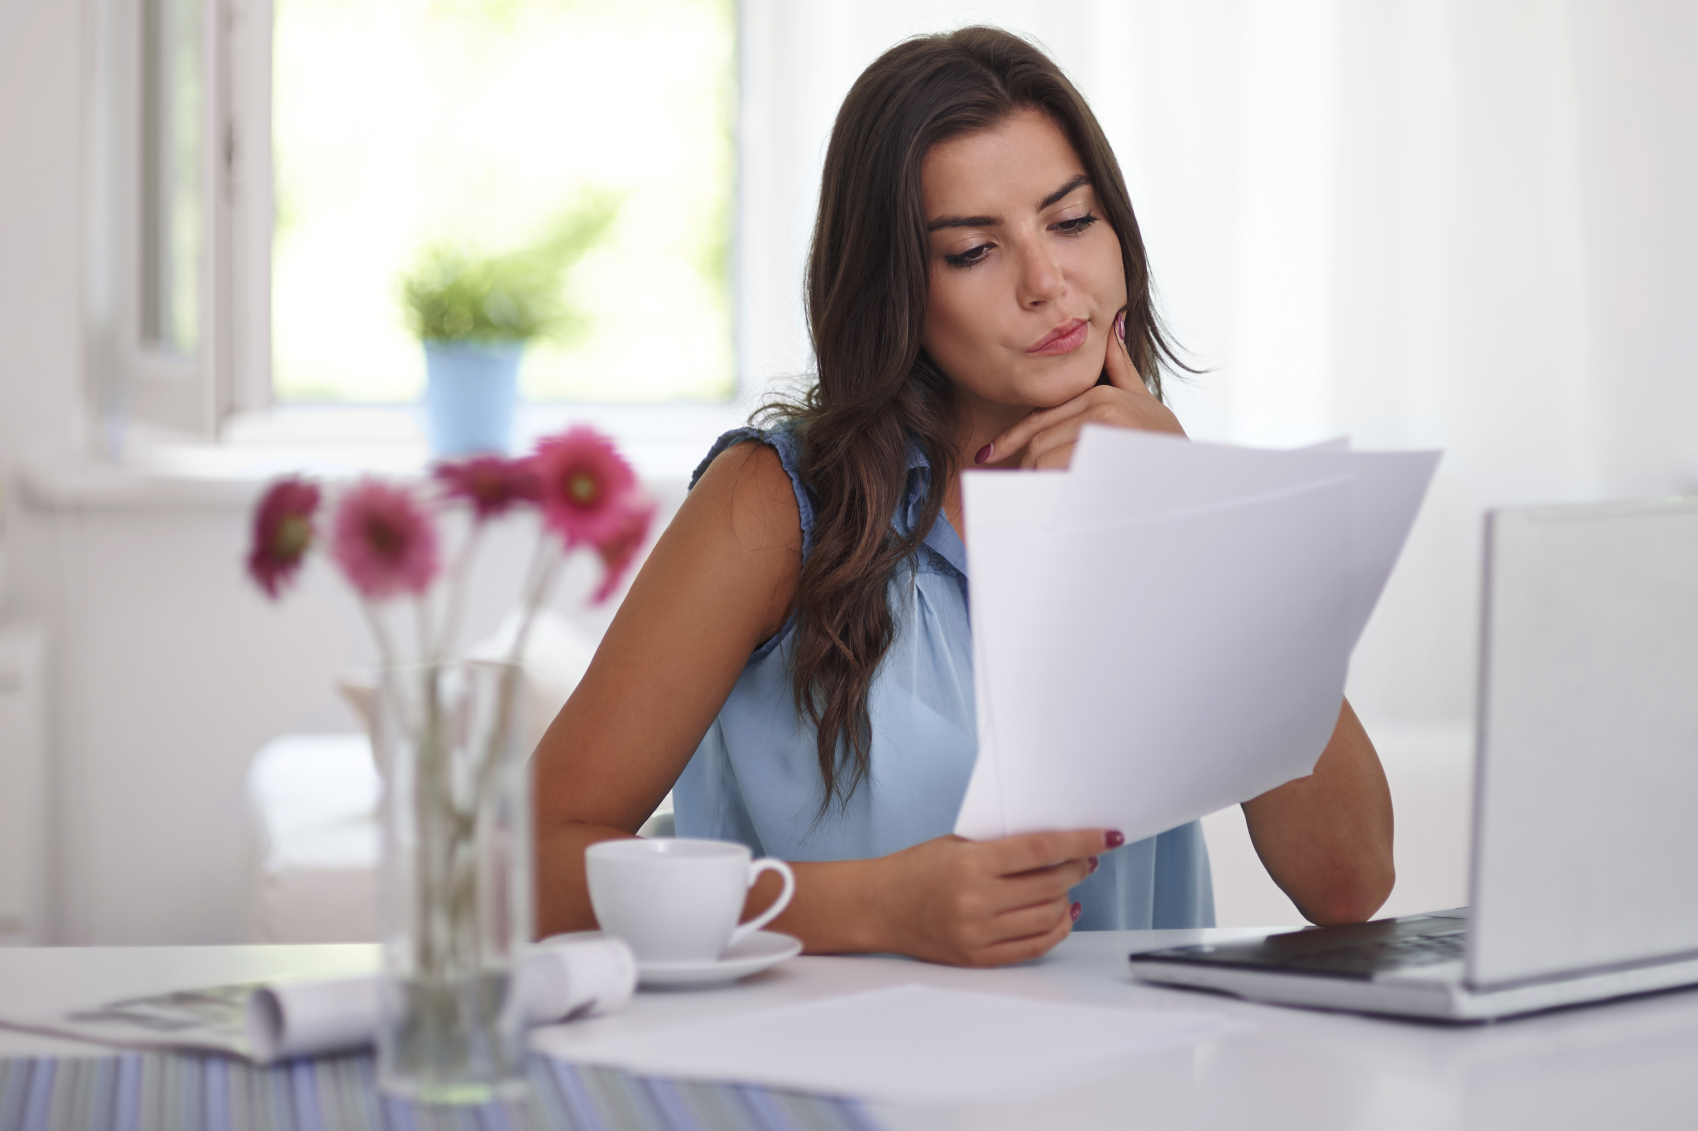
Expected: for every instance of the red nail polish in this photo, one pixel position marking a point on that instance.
(983, 455)
(1093, 867)
(1120, 325)
(1114, 838)
(1073, 912)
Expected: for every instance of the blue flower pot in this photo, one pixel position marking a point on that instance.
(470, 396)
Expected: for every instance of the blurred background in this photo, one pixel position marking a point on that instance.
(1467, 224)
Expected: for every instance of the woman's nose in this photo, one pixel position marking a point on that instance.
(1040, 278)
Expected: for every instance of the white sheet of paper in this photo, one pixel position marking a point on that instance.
(1165, 629)
(907, 1044)
(1119, 472)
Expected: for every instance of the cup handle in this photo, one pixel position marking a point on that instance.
(766, 864)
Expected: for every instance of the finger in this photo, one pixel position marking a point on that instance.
(1071, 415)
(1053, 446)
(1026, 922)
(1057, 459)
(1117, 362)
(1024, 950)
(1045, 448)
(1029, 889)
(1022, 853)
(1030, 425)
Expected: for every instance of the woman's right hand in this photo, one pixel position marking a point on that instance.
(987, 903)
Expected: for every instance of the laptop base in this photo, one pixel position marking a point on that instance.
(1434, 992)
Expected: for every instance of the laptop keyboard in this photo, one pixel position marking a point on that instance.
(1361, 950)
(1389, 954)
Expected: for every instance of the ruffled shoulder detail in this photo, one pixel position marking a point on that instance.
(788, 445)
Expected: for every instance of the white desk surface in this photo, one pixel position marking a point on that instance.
(1631, 1063)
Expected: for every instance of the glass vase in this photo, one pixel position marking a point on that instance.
(456, 884)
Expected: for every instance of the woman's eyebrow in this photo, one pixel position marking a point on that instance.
(1072, 185)
(963, 222)
(1077, 182)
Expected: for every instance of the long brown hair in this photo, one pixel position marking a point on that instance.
(877, 392)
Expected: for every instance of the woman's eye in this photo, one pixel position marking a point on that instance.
(969, 257)
(1076, 225)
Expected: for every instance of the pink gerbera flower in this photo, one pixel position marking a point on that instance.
(619, 549)
(582, 483)
(282, 533)
(491, 484)
(384, 543)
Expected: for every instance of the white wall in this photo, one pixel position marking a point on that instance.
(40, 227)
(41, 73)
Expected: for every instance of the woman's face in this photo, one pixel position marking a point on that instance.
(1026, 276)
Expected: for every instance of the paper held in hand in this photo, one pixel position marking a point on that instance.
(1164, 629)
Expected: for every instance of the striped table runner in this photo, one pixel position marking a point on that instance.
(161, 1092)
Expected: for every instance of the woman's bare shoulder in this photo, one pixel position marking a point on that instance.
(750, 494)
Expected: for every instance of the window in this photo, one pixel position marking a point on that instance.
(268, 169)
(172, 205)
(177, 214)
(399, 125)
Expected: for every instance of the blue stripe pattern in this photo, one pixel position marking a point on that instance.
(167, 1092)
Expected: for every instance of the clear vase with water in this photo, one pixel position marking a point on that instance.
(456, 884)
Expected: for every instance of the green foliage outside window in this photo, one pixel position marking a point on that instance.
(452, 295)
(434, 139)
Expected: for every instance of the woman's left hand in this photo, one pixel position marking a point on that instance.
(1045, 438)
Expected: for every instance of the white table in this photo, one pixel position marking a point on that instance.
(1630, 1064)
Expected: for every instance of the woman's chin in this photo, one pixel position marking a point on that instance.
(1048, 390)
(1028, 386)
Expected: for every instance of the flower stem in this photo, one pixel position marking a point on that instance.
(458, 582)
(545, 568)
(380, 634)
(421, 614)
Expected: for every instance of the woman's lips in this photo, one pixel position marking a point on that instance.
(1065, 338)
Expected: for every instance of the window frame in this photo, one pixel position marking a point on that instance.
(130, 380)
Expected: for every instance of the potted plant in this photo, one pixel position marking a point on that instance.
(474, 313)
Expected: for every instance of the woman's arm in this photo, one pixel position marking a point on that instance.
(718, 582)
(1326, 839)
(722, 579)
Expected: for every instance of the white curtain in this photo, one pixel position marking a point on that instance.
(1463, 223)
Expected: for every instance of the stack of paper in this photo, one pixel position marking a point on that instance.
(1164, 629)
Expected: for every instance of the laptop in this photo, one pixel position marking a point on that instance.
(1584, 882)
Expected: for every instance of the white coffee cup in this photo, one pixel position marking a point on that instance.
(676, 899)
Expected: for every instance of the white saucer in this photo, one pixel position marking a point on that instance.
(759, 951)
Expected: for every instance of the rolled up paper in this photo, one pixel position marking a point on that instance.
(577, 978)
(292, 1019)
(557, 982)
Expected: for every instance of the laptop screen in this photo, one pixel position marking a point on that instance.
(1586, 815)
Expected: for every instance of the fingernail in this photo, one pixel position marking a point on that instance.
(983, 454)
(1120, 325)
(1114, 838)
(1093, 867)
(1073, 911)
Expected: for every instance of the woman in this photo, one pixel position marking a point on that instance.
(794, 657)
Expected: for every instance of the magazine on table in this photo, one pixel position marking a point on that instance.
(282, 1018)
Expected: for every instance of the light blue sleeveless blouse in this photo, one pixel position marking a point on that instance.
(755, 777)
